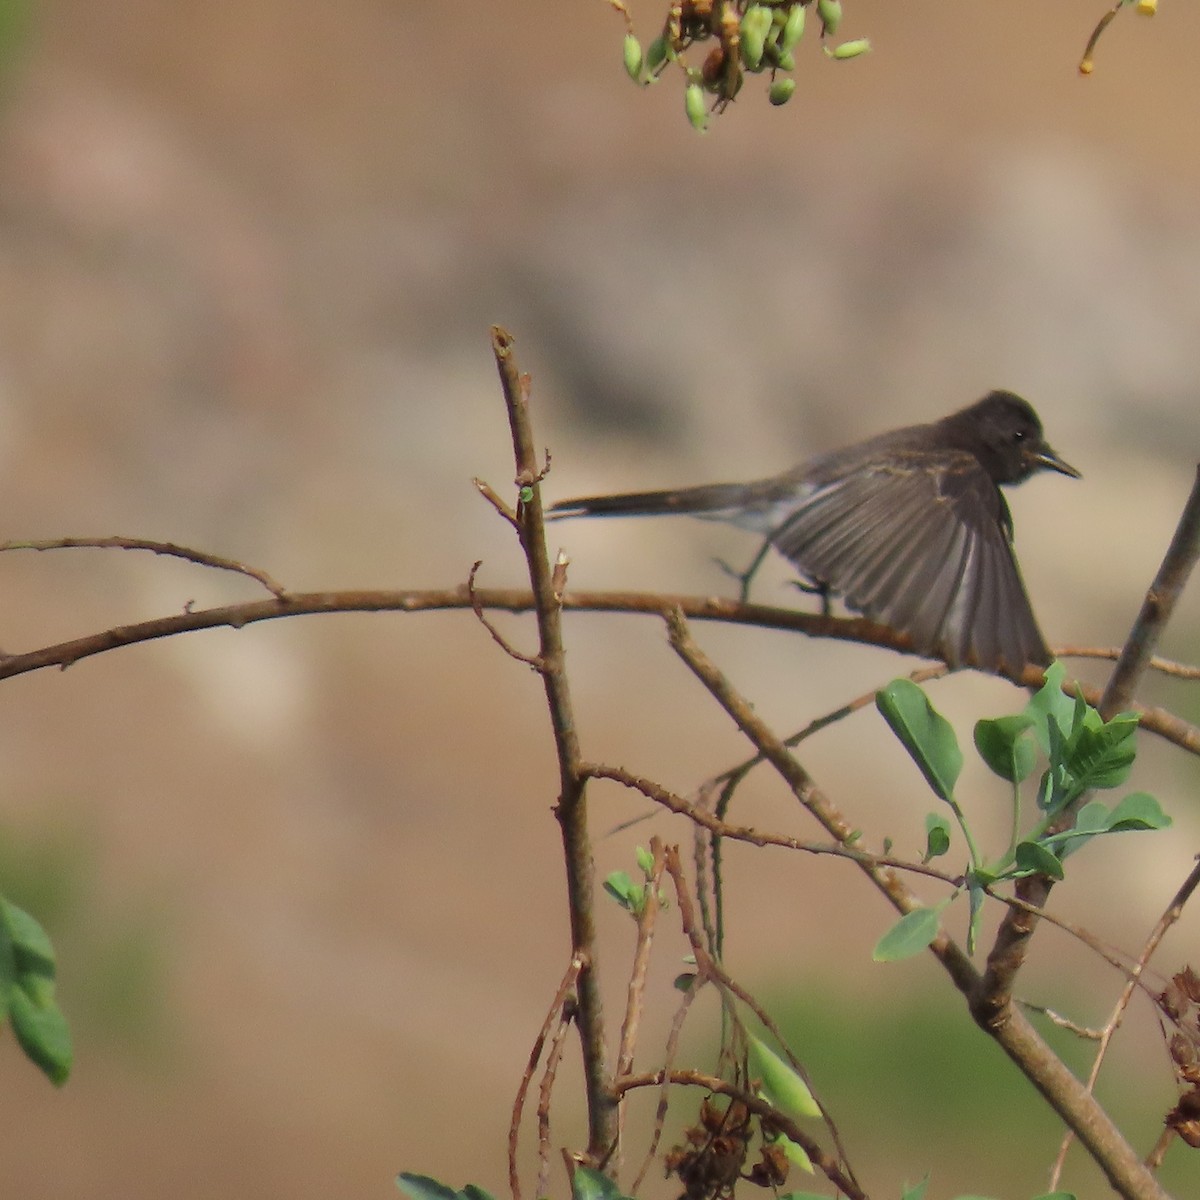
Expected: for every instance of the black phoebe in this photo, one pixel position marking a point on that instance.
(909, 527)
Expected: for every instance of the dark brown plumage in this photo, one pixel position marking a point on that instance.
(909, 528)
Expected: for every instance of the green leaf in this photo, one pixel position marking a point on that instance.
(624, 891)
(1093, 817)
(8, 968)
(1033, 858)
(910, 935)
(422, 1187)
(914, 1191)
(1002, 744)
(32, 950)
(924, 733)
(645, 861)
(780, 1083)
(937, 836)
(1101, 757)
(1139, 810)
(1050, 706)
(1056, 1196)
(590, 1184)
(43, 1034)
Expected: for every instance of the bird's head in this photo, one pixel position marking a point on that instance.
(1004, 433)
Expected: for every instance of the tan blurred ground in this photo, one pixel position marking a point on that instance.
(249, 254)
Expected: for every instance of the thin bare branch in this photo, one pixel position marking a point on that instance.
(167, 549)
(1157, 721)
(489, 494)
(1170, 916)
(557, 1015)
(1159, 604)
(530, 660)
(571, 809)
(756, 837)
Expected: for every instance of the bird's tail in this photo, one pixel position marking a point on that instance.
(716, 501)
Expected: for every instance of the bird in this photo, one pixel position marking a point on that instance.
(909, 528)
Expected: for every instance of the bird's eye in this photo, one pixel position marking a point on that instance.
(1019, 435)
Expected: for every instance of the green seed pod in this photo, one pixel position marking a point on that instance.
(830, 12)
(752, 34)
(793, 29)
(781, 91)
(849, 49)
(633, 58)
(657, 53)
(751, 43)
(778, 57)
(697, 110)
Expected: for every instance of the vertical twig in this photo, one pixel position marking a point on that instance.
(571, 809)
(1157, 608)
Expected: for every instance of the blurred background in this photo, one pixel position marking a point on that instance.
(304, 878)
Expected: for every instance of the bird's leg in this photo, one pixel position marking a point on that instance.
(817, 587)
(744, 577)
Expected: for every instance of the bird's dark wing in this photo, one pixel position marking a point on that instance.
(921, 545)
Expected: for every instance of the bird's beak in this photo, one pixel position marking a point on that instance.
(1045, 457)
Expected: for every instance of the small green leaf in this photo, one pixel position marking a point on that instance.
(589, 1184)
(645, 861)
(914, 1191)
(910, 935)
(1033, 858)
(1139, 810)
(422, 1187)
(780, 1083)
(43, 1034)
(937, 836)
(31, 944)
(684, 982)
(924, 733)
(624, 891)
(1002, 744)
(1056, 1196)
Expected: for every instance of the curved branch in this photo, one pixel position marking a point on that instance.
(518, 600)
